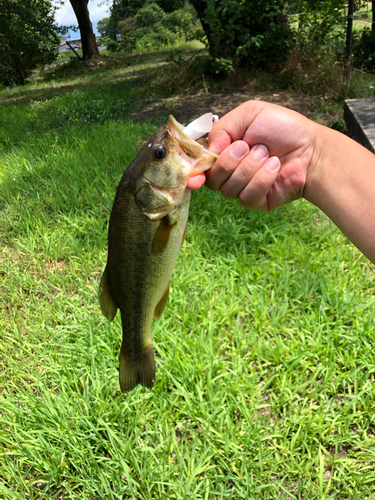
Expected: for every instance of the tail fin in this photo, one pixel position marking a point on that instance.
(136, 369)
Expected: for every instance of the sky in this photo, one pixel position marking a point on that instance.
(65, 15)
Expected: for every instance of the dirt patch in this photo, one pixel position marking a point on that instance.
(188, 107)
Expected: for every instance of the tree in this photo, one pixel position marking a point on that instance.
(170, 5)
(321, 23)
(89, 47)
(149, 16)
(124, 9)
(151, 27)
(102, 26)
(246, 31)
(28, 37)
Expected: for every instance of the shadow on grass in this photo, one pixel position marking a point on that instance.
(68, 146)
(72, 185)
(62, 77)
(29, 94)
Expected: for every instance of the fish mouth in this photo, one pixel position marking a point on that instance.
(191, 153)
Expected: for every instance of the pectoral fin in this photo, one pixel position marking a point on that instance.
(159, 309)
(161, 237)
(106, 302)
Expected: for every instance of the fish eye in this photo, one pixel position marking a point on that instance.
(159, 152)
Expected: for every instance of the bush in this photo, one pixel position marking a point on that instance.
(313, 72)
(248, 33)
(321, 24)
(181, 21)
(127, 29)
(152, 28)
(112, 45)
(28, 37)
(150, 16)
(364, 49)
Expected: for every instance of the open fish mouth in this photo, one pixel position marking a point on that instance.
(191, 153)
(146, 231)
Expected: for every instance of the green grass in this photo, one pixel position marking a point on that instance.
(265, 353)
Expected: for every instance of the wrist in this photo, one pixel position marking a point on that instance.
(340, 181)
(319, 142)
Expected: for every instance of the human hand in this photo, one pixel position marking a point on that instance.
(265, 152)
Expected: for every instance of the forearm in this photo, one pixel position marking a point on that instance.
(341, 182)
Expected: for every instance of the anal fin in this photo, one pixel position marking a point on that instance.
(137, 368)
(107, 305)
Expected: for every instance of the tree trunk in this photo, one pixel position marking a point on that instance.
(200, 6)
(373, 14)
(89, 47)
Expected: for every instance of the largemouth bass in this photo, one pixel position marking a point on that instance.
(146, 231)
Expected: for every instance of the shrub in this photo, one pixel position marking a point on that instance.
(181, 21)
(127, 29)
(364, 49)
(112, 46)
(321, 24)
(149, 16)
(28, 37)
(249, 33)
(152, 28)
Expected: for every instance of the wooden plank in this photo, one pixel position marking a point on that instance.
(359, 116)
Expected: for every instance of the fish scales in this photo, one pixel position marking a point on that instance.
(146, 231)
(138, 285)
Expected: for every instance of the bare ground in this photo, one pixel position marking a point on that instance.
(188, 107)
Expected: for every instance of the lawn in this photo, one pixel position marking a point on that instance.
(265, 352)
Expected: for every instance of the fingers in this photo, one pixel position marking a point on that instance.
(226, 164)
(245, 171)
(254, 194)
(233, 126)
(243, 174)
(196, 182)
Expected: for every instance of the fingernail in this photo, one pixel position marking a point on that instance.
(259, 152)
(239, 150)
(273, 164)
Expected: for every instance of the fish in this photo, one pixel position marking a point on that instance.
(146, 231)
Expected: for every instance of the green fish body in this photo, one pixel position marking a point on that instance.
(146, 231)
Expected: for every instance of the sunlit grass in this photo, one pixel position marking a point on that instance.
(265, 353)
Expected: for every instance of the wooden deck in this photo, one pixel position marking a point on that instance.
(359, 115)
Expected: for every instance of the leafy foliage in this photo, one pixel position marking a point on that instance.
(102, 26)
(364, 49)
(28, 37)
(321, 23)
(150, 16)
(107, 26)
(247, 31)
(151, 27)
(180, 21)
(129, 8)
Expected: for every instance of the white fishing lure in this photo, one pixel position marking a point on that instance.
(201, 126)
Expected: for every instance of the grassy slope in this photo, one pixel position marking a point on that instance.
(265, 368)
